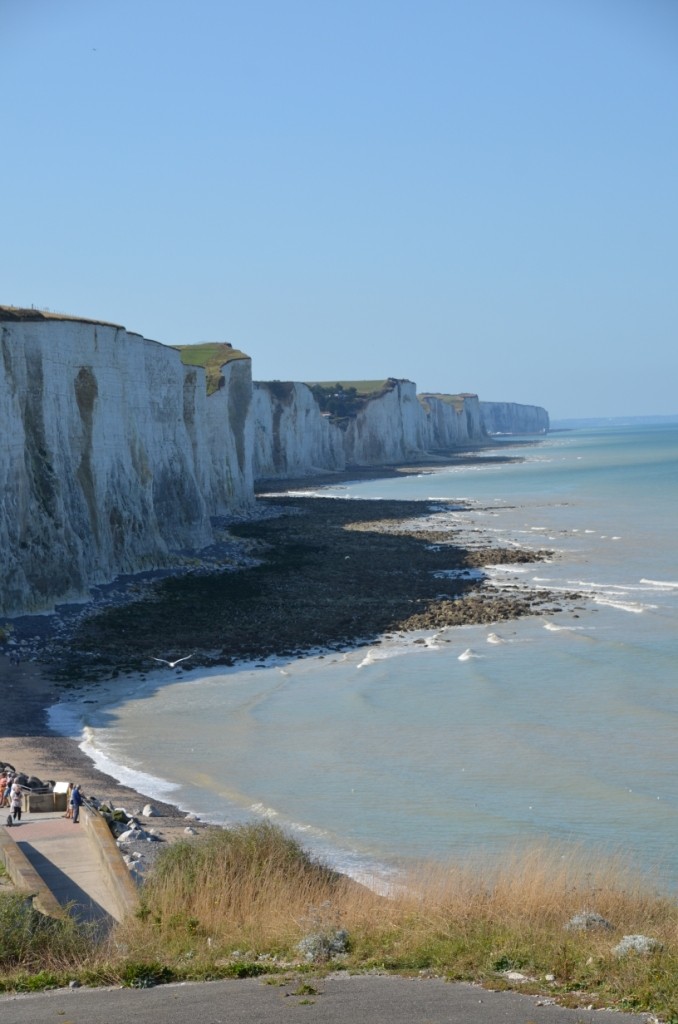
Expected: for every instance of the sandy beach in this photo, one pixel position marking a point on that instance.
(29, 746)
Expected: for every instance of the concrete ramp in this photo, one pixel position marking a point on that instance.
(79, 865)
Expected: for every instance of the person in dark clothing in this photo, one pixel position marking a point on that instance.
(76, 802)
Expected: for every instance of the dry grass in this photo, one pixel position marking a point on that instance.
(252, 894)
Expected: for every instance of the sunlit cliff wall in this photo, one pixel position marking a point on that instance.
(453, 420)
(107, 463)
(513, 418)
(291, 436)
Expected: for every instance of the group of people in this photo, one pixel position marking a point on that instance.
(74, 803)
(11, 794)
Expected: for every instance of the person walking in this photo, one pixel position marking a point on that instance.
(76, 801)
(9, 779)
(16, 799)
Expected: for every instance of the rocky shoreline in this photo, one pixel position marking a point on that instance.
(302, 574)
(309, 574)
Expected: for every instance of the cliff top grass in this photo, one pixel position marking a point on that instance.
(13, 314)
(362, 387)
(211, 355)
(455, 400)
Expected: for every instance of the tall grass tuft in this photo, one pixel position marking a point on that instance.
(32, 944)
(252, 892)
(249, 887)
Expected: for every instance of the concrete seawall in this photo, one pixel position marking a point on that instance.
(111, 862)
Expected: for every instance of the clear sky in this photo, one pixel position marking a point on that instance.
(478, 195)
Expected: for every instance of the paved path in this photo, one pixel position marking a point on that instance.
(336, 1000)
(64, 856)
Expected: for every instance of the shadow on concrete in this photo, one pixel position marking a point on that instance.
(69, 894)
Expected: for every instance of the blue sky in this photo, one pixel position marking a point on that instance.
(479, 195)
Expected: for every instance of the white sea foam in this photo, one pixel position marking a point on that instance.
(262, 811)
(661, 583)
(625, 606)
(494, 638)
(409, 644)
(65, 719)
(554, 628)
(468, 654)
(136, 779)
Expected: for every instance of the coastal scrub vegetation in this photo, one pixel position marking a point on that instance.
(343, 399)
(249, 900)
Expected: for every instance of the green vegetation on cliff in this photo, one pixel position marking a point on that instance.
(345, 398)
(211, 355)
(455, 400)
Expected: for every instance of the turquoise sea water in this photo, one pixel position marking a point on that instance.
(562, 727)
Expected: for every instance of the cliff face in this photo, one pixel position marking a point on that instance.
(227, 433)
(106, 465)
(512, 418)
(291, 437)
(388, 429)
(453, 420)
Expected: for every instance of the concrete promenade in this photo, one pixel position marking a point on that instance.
(65, 857)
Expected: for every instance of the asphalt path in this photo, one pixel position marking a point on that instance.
(341, 999)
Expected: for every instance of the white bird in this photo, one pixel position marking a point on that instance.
(173, 664)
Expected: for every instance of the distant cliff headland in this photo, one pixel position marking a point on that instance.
(118, 451)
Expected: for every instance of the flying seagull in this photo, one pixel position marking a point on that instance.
(173, 664)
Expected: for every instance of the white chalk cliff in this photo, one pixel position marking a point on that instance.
(291, 436)
(108, 461)
(513, 418)
(113, 458)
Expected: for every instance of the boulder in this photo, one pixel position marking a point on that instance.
(131, 835)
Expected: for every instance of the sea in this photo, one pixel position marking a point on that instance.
(474, 740)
